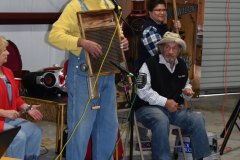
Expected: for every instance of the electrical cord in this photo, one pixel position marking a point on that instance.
(225, 100)
(226, 67)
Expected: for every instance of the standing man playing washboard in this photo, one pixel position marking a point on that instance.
(102, 124)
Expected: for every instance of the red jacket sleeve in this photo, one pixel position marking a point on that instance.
(17, 101)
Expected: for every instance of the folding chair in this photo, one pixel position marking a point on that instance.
(175, 129)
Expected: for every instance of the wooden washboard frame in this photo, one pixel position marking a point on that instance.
(99, 26)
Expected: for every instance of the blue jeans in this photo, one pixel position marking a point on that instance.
(101, 124)
(143, 133)
(26, 145)
(157, 119)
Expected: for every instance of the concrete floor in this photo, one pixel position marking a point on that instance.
(211, 108)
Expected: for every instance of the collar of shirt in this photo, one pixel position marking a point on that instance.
(163, 61)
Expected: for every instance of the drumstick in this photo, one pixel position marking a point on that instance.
(175, 13)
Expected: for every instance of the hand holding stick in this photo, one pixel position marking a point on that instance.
(175, 14)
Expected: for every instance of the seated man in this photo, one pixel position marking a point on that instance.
(159, 102)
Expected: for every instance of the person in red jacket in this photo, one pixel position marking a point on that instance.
(26, 144)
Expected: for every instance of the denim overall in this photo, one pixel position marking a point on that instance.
(101, 124)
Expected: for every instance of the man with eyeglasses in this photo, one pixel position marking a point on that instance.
(160, 102)
(152, 31)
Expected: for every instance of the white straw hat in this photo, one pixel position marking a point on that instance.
(172, 37)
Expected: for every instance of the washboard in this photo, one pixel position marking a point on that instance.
(99, 26)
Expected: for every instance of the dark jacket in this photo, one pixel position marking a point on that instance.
(165, 83)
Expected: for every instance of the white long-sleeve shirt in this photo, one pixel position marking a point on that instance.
(148, 94)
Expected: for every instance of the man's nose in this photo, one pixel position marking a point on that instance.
(171, 51)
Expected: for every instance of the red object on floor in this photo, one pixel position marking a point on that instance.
(120, 149)
(89, 150)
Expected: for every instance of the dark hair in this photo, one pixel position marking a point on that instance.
(151, 4)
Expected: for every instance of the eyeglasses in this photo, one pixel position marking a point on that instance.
(160, 10)
(174, 49)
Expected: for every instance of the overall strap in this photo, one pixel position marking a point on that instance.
(85, 8)
(106, 4)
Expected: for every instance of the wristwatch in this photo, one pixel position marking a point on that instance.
(29, 107)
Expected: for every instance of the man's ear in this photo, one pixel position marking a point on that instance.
(160, 49)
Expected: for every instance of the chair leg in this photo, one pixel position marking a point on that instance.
(182, 144)
(125, 143)
(138, 137)
(177, 132)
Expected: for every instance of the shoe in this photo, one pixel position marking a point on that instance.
(146, 146)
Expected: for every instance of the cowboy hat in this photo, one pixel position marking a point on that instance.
(172, 37)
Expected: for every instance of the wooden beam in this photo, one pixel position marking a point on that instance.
(28, 18)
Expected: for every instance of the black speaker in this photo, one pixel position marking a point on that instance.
(52, 79)
(29, 83)
(43, 84)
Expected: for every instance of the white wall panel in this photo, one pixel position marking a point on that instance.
(220, 60)
(31, 40)
(32, 5)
